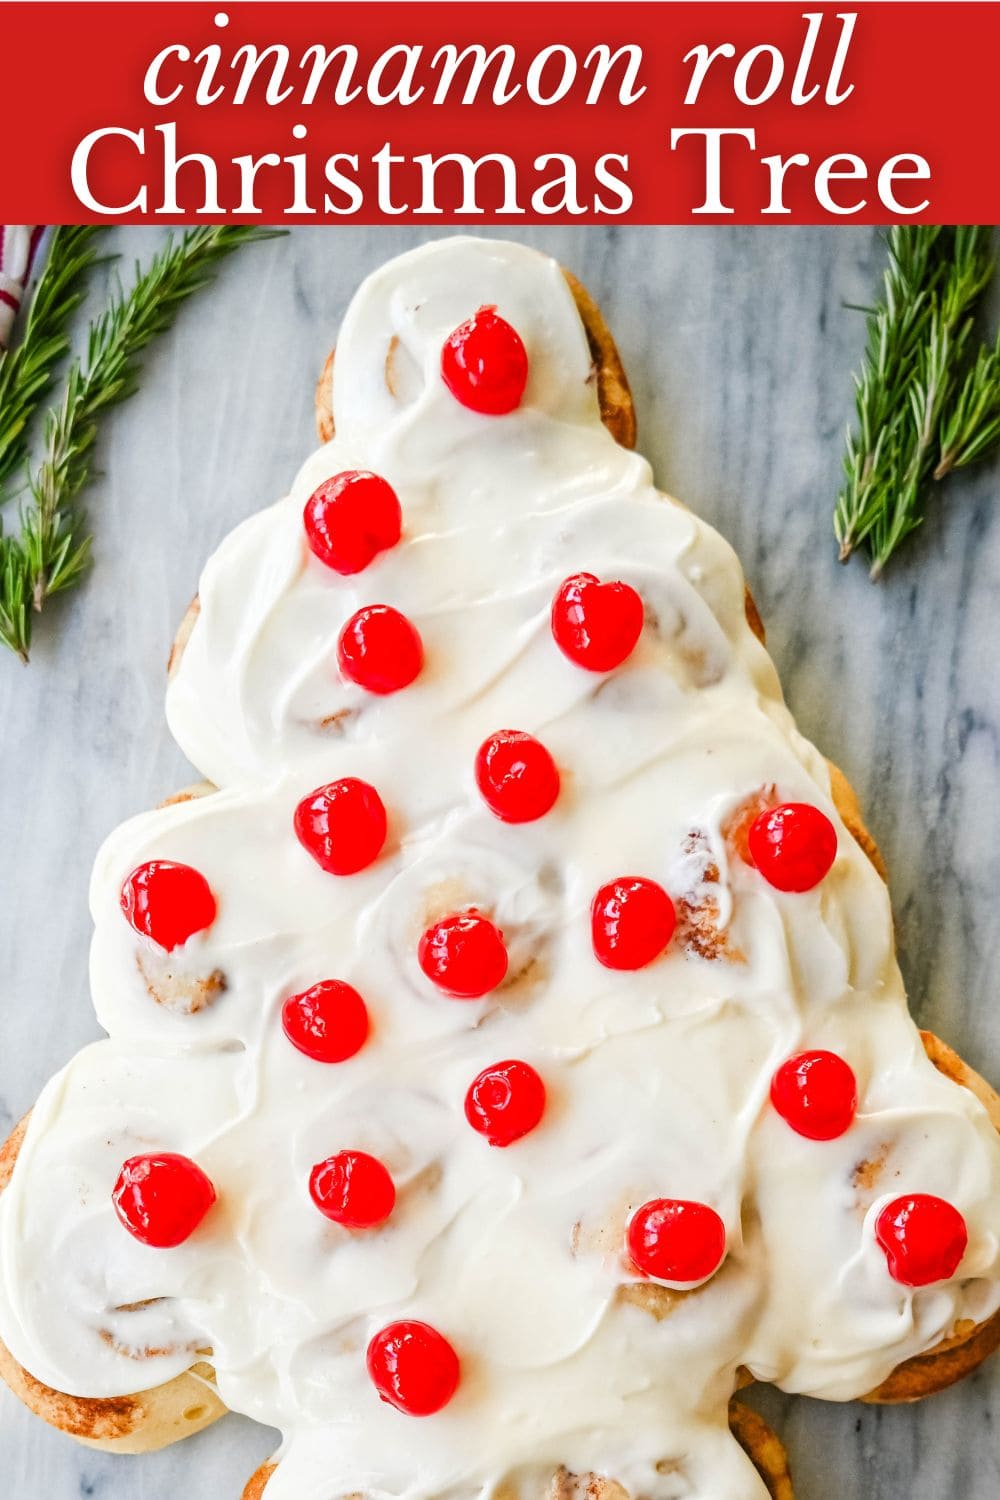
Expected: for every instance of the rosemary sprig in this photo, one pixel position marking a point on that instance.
(53, 547)
(927, 401)
(28, 371)
(973, 429)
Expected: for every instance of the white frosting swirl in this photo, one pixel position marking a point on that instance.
(657, 1080)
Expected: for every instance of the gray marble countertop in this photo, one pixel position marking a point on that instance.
(739, 350)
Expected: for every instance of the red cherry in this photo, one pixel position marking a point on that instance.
(484, 364)
(597, 625)
(816, 1093)
(343, 825)
(168, 902)
(924, 1239)
(380, 650)
(517, 776)
(793, 846)
(631, 922)
(464, 955)
(505, 1101)
(413, 1368)
(353, 1189)
(328, 1022)
(350, 519)
(674, 1240)
(162, 1199)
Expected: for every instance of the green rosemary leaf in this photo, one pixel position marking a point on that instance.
(973, 428)
(52, 550)
(28, 371)
(927, 400)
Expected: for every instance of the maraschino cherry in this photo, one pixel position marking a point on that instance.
(168, 902)
(413, 1368)
(793, 846)
(161, 1199)
(516, 776)
(342, 825)
(350, 519)
(464, 955)
(631, 920)
(597, 625)
(675, 1240)
(505, 1101)
(328, 1022)
(380, 649)
(353, 1189)
(816, 1093)
(924, 1239)
(485, 365)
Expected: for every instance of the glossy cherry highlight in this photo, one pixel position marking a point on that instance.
(380, 649)
(631, 921)
(675, 1240)
(328, 1022)
(924, 1239)
(464, 955)
(350, 518)
(505, 1101)
(516, 776)
(342, 825)
(413, 1368)
(793, 846)
(353, 1189)
(161, 1199)
(816, 1093)
(485, 365)
(167, 902)
(597, 625)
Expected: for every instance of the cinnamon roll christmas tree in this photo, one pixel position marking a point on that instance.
(507, 1051)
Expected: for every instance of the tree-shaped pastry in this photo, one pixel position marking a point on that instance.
(507, 1050)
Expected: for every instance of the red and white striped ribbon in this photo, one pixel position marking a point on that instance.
(18, 247)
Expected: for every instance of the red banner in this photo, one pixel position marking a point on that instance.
(500, 113)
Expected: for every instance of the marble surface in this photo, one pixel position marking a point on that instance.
(739, 350)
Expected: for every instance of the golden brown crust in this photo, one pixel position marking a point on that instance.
(613, 390)
(141, 1423)
(11, 1150)
(183, 635)
(255, 1484)
(764, 1449)
(846, 802)
(86, 1419)
(753, 615)
(948, 1062)
(188, 793)
(324, 400)
(951, 1361)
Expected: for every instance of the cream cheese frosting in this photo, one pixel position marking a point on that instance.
(657, 1080)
